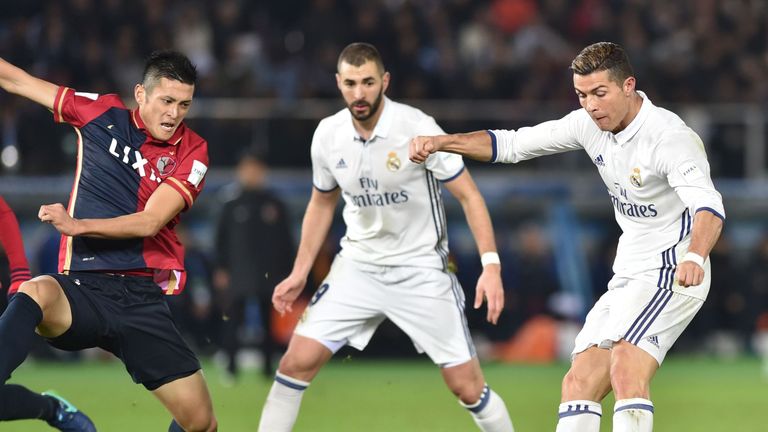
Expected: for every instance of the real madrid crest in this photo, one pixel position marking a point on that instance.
(393, 162)
(165, 165)
(635, 178)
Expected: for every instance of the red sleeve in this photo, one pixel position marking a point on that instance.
(78, 108)
(189, 177)
(10, 237)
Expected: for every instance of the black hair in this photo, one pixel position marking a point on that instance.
(169, 64)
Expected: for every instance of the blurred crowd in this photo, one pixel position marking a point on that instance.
(689, 50)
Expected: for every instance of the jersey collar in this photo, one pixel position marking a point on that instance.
(139, 123)
(628, 132)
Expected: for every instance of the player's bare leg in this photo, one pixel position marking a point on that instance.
(466, 381)
(39, 305)
(584, 386)
(300, 364)
(631, 372)
(50, 297)
(189, 402)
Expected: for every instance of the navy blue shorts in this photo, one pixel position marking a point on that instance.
(129, 317)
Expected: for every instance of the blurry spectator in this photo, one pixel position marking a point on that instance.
(193, 311)
(757, 287)
(254, 250)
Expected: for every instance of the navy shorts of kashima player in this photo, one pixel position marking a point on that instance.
(128, 316)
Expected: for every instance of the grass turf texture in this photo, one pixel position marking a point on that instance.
(690, 394)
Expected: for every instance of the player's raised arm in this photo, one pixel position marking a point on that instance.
(489, 285)
(474, 145)
(314, 228)
(162, 206)
(17, 81)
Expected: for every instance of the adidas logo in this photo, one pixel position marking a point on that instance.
(599, 160)
(341, 164)
(654, 340)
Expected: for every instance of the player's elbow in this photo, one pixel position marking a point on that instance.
(150, 226)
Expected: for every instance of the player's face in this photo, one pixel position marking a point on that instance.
(607, 102)
(363, 88)
(164, 106)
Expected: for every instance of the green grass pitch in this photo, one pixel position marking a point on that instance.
(690, 394)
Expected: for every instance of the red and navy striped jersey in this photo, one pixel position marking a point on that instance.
(119, 166)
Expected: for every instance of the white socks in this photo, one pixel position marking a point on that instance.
(579, 416)
(282, 405)
(490, 413)
(633, 415)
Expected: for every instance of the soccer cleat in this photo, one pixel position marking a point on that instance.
(68, 418)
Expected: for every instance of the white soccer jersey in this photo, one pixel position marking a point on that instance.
(392, 207)
(657, 175)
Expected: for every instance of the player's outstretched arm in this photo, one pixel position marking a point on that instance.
(706, 230)
(17, 81)
(162, 206)
(474, 145)
(489, 285)
(314, 228)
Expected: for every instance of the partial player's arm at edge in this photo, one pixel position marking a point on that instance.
(479, 220)
(163, 205)
(17, 81)
(477, 145)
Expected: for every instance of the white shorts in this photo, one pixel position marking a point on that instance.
(427, 304)
(649, 317)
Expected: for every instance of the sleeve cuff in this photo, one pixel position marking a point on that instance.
(325, 190)
(175, 183)
(58, 103)
(494, 148)
(713, 211)
(453, 177)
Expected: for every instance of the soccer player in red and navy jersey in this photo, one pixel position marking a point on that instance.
(137, 170)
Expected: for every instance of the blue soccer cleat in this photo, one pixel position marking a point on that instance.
(68, 418)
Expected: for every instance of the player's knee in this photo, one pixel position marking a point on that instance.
(41, 292)
(198, 421)
(301, 367)
(627, 383)
(467, 390)
(580, 386)
(629, 377)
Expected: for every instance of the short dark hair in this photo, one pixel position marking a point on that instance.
(602, 56)
(169, 64)
(358, 53)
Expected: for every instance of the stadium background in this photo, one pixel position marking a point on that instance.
(266, 78)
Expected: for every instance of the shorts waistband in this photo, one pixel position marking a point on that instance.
(132, 272)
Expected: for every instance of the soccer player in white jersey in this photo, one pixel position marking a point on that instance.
(394, 256)
(657, 176)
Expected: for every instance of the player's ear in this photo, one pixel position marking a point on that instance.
(139, 93)
(629, 85)
(338, 80)
(385, 81)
